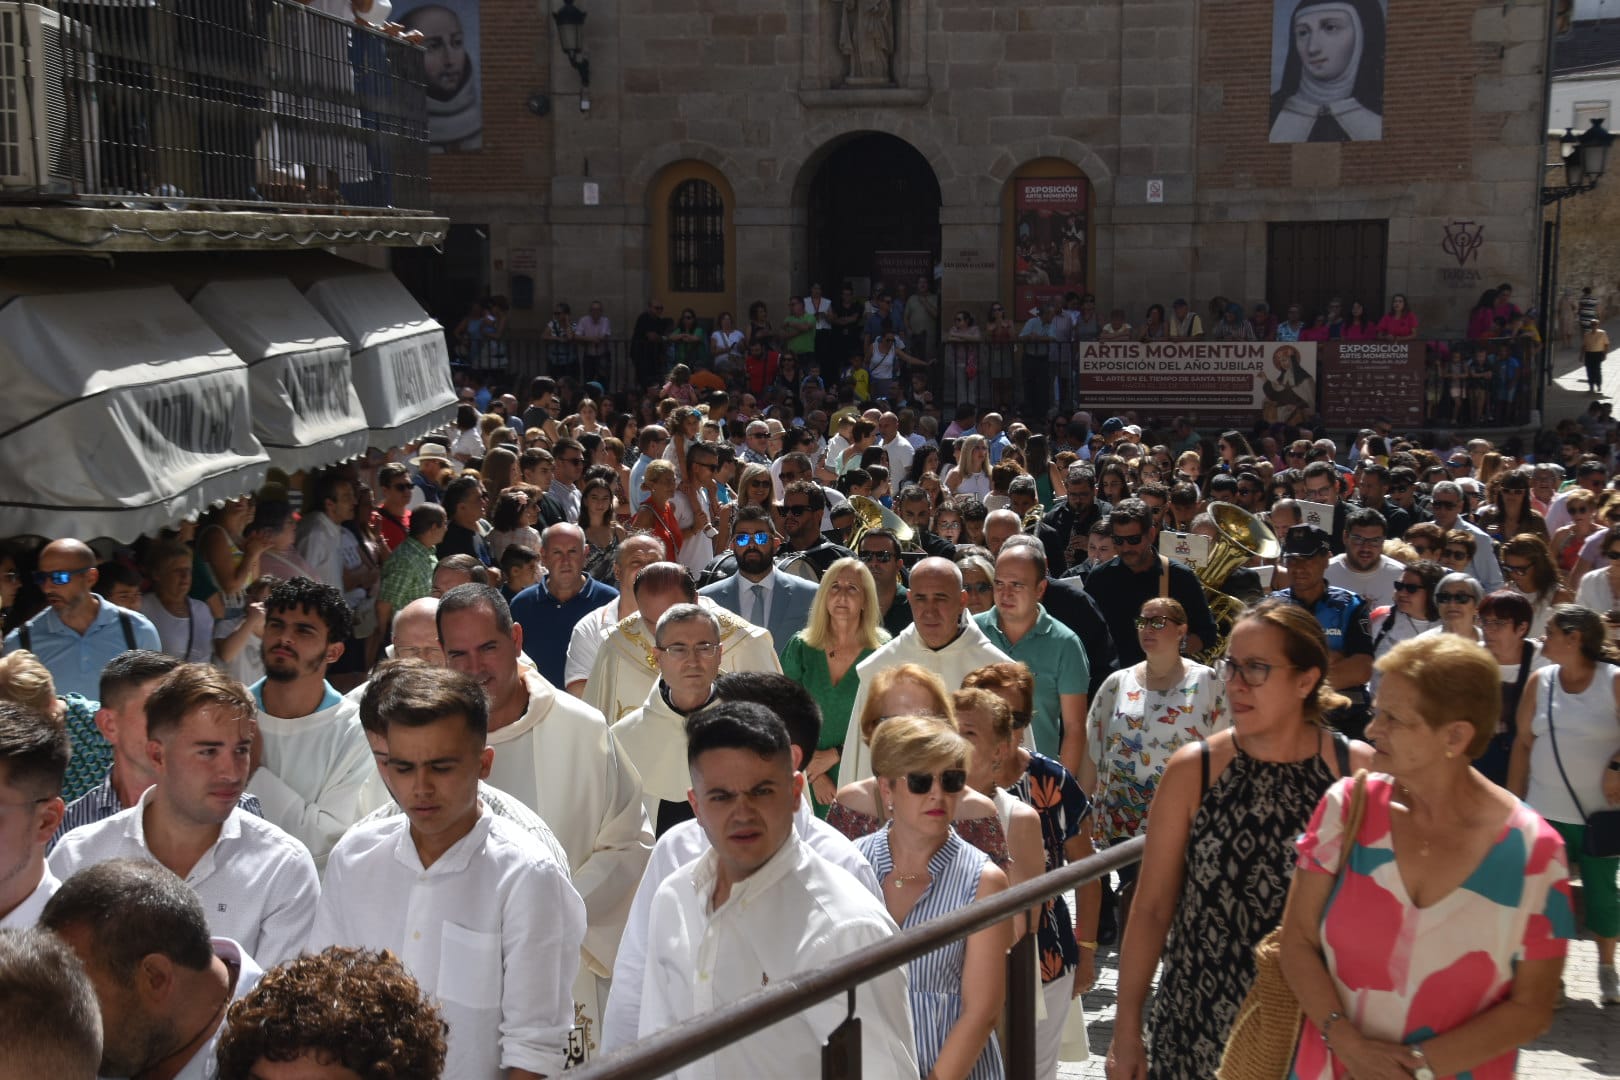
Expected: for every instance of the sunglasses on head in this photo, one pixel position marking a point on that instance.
(758, 539)
(951, 781)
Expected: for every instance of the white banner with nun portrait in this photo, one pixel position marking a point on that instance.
(454, 94)
(1327, 70)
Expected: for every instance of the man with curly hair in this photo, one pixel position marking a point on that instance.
(343, 1014)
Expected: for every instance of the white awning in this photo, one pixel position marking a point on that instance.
(122, 412)
(401, 364)
(306, 411)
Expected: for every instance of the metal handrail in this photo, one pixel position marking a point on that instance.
(659, 1054)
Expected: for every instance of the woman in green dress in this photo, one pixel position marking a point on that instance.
(822, 658)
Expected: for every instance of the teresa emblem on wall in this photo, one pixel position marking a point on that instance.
(1327, 70)
(450, 30)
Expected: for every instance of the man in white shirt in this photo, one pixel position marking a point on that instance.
(50, 1022)
(476, 908)
(897, 446)
(555, 754)
(34, 754)
(687, 841)
(632, 554)
(311, 760)
(688, 650)
(162, 983)
(258, 885)
(1364, 569)
(626, 667)
(760, 907)
(941, 638)
(320, 533)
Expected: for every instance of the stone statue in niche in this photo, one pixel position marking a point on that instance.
(866, 36)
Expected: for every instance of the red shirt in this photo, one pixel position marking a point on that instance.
(1398, 326)
(392, 530)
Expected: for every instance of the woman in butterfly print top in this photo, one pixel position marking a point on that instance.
(1146, 712)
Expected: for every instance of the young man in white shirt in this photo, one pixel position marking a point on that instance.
(478, 910)
(258, 884)
(163, 984)
(687, 841)
(310, 760)
(761, 907)
(554, 754)
(34, 756)
(1363, 568)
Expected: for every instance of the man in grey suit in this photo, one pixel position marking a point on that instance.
(758, 591)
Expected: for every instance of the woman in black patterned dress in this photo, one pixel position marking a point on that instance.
(1220, 846)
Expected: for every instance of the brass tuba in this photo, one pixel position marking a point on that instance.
(1242, 536)
(871, 514)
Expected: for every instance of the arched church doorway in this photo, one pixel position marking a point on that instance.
(874, 215)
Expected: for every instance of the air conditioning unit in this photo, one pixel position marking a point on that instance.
(48, 123)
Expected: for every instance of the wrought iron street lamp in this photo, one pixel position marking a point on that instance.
(1583, 159)
(570, 33)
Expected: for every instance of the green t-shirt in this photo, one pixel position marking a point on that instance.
(802, 333)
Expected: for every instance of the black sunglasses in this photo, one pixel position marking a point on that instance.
(1407, 587)
(1454, 598)
(883, 558)
(951, 781)
(1130, 541)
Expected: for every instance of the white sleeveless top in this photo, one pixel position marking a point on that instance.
(1588, 735)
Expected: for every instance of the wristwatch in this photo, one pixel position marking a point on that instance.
(1423, 1071)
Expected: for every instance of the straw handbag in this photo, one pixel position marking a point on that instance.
(1261, 1043)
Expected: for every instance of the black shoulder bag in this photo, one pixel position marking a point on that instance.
(1602, 837)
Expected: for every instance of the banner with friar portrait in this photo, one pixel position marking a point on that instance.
(1273, 380)
(1327, 70)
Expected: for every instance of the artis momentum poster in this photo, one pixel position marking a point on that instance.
(1327, 70)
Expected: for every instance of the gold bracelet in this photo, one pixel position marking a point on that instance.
(1092, 945)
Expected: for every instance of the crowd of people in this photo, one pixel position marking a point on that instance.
(594, 714)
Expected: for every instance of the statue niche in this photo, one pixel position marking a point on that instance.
(866, 37)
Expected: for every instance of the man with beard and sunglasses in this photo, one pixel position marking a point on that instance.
(78, 632)
(310, 758)
(758, 591)
(1138, 574)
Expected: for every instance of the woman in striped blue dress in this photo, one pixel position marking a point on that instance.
(927, 871)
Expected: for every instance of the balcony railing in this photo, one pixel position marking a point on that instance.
(208, 105)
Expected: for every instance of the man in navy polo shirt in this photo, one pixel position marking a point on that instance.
(548, 610)
(1345, 619)
(78, 632)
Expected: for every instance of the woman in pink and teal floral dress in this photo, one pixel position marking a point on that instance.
(1440, 950)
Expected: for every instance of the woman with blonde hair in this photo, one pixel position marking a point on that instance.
(985, 721)
(1527, 563)
(1220, 844)
(858, 809)
(1568, 541)
(843, 630)
(971, 473)
(927, 871)
(26, 680)
(657, 513)
(1440, 945)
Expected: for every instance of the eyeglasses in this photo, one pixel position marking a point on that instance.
(1612, 556)
(1408, 587)
(1579, 511)
(1516, 569)
(882, 558)
(1130, 541)
(1365, 541)
(1156, 622)
(951, 781)
(1458, 553)
(703, 651)
(1448, 504)
(795, 511)
(401, 487)
(1399, 489)
(1496, 624)
(1254, 673)
(1248, 491)
(581, 461)
(981, 588)
(1454, 598)
(57, 577)
(758, 539)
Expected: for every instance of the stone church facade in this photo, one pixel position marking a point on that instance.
(715, 127)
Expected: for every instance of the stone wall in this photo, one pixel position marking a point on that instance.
(1174, 91)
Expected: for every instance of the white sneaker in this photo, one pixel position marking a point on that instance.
(1608, 984)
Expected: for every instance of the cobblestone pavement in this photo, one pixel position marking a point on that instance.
(1584, 1040)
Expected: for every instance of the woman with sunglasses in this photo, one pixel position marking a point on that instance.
(858, 809)
(843, 629)
(1566, 760)
(1457, 597)
(1504, 617)
(1414, 613)
(978, 581)
(928, 871)
(1220, 845)
(1568, 541)
(1509, 512)
(1528, 565)
(1457, 550)
(1600, 589)
(1141, 716)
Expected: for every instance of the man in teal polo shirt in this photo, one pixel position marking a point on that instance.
(78, 632)
(1020, 627)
